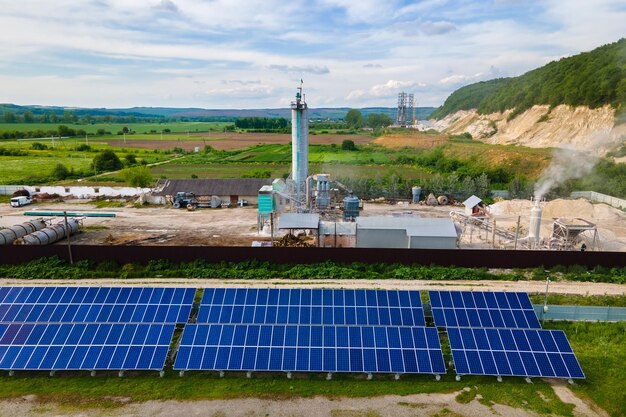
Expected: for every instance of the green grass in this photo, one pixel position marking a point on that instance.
(600, 348)
(581, 300)
(25, 170)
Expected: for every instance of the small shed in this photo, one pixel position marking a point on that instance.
(474, 206)
(405, 232)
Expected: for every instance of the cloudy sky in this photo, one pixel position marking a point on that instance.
(253, 53)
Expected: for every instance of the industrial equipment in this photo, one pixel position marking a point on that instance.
(50, 234)
(11, 234)
(183, 199)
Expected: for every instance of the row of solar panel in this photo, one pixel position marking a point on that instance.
(478, 299)
(85, 313)
(18, 334)
(397, 316)
(310, 360)
(310, 336)
(96, 295)
(310, 348)
(482, 317)
(44, 357)
(532, 353)
(311, 297)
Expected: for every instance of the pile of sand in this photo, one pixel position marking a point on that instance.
(559, 208)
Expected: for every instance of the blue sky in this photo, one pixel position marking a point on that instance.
(253, 53)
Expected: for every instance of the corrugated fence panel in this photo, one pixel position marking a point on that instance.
(581, 313)
(444, 257)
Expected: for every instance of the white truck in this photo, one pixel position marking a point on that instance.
(20, 201)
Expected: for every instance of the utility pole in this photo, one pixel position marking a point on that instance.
(67, 235)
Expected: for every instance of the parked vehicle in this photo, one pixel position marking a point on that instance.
(182, 200)
(20, 201)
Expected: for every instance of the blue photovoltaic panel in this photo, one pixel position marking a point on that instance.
(515, 352)
(306, 348)
(311, 306)
(483, 309)
(95, 304)
(84, 346)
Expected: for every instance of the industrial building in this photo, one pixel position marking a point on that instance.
(405, 232)
(229, 190)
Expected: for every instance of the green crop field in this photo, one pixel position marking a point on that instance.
(177, 127)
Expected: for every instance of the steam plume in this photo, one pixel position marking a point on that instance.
(571, 163)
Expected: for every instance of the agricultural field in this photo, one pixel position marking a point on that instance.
(178, 127)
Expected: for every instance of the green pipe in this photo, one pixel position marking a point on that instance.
(61, 214)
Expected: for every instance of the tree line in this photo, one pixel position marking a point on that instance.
(262, 123)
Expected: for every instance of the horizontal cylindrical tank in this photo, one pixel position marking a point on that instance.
(50, 234)
(350, 207)
(442, 200)
(11, 234)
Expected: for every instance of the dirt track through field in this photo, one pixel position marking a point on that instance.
(580, 288)
(384, 406)
(229, 141)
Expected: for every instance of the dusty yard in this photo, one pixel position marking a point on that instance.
(163, 225)
(385, 406)
(229, 141)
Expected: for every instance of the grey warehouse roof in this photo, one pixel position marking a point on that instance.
(212, 186)
(298, 221)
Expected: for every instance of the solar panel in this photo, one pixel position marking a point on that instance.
(514, 352)
(95, 304)
(311, 306)
(305, 348)
(483, 309)
(84, 346)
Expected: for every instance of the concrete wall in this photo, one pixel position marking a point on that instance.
(88, 192)
(429, 242)
(381, 238)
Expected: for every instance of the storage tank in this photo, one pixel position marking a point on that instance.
(534, 229)
(322, 199)
(11, 234)
(417, 192)
(49, 235)
(350, 207)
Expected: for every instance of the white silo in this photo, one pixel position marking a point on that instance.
(299, 148)
(534, 230)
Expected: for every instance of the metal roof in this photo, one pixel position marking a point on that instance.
(212, 186)
(414, 226)
(473, 201)
(298, 221)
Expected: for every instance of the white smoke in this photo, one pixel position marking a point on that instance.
(566, 164)
(571, 163)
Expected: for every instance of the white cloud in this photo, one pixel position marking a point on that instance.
(390, 88)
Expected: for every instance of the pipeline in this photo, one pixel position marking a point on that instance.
(11, 234)
(50, 234)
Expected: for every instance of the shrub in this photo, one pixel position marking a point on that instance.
(138, 176)
(106, 161)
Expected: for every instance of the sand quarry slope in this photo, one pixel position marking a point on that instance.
(580, 127)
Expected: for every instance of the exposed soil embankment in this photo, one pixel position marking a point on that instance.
(538, 127)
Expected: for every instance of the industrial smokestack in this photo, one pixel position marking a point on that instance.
(534, 230)
(299, 148)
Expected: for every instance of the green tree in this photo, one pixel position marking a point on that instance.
(378, 120)
(348, 145)
(60, 172)
(130, 159)
(106, 161)
(28, 117)
(9, 117)
(138, 176)
(354, 119)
